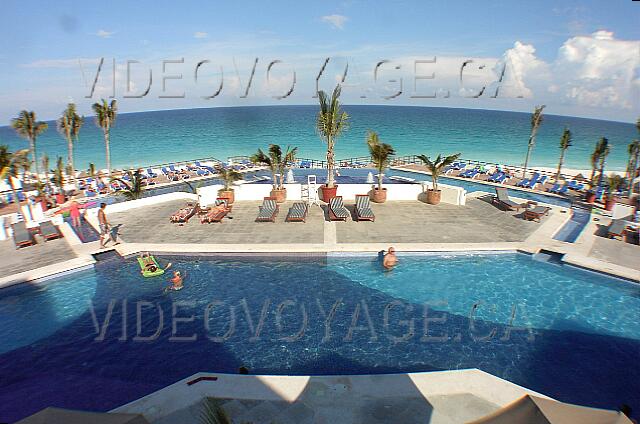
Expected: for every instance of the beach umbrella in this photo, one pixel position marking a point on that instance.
(67, 416)
(290, 179)
(580, 177)
(536, 410)
(370, 178)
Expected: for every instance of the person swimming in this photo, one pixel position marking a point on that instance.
(177, 282)
(390, 259)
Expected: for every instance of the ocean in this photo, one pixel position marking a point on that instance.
(146, 138)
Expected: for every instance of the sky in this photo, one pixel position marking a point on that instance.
(579, 58)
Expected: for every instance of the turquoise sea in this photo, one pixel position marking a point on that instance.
(145, 138)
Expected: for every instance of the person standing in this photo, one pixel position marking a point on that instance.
(104, 225)
(390, 259)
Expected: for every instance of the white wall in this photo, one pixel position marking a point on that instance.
(450, 194)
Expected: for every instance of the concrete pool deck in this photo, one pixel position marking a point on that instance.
(442, 397)
(410, 226)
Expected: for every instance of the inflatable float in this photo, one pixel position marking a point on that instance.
(149, 273)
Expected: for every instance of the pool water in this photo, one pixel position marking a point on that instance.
(97, 339)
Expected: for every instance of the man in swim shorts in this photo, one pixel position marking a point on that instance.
(104, 225)
(390, 259)
(149, 263)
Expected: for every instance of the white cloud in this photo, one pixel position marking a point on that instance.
(519, 64)
(104, 34)
(336, 21)
(200, 34)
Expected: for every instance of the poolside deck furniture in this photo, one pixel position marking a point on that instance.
(211, 215)
(183, 215)
(48, 231)
(527, 182)
(268, 210)
(337, 211)
(363, 208)
(502, 200)
(21, 235)
(540, 181)
(617, 228)
(533, 212)
(297, 212)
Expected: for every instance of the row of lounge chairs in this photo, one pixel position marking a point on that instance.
(268, 211)
(24, 236)
(532, 182)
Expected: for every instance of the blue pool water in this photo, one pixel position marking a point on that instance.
(568, 333)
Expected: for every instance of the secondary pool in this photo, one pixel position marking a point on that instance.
(100, 338)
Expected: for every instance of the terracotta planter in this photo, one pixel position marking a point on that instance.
(433, 196)
(328, 193)
(590, 197)
(279, 195)
(227, 194)
(610, 203)
(379, 196)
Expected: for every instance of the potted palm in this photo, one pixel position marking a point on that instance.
(436, 167)
(330, 123)
(380, 156)
(615, 182)
(228, 177)
(277, 163)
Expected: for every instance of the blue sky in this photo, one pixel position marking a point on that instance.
(579, 58)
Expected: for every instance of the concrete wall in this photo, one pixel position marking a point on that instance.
(450, 194)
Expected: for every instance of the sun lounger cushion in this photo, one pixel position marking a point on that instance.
(49, 231)
(338, 208)
(267, 210)
(21, 235)
(297, 212)
(363, 207)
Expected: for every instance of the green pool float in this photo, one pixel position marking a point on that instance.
(148, 273)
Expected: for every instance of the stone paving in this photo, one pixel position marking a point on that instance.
(14, 261)
(616, 252)
(151, 225)
(396, 222)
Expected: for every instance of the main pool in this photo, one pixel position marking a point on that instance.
(100, 338)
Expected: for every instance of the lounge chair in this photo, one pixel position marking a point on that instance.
(501, 199)
(151, 174)
(216, 215)
(183, 215)
(528, 182)
(533, 212)
(337, 211)
(48, 231)
(363, 208)
(540, 181)
(21, 235)
(268, 211)
(297, 212)
(617, 228)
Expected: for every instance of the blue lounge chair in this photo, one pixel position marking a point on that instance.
(164, 171)
(492, 177)
(540, 181)
(556, 187)
(528, 181)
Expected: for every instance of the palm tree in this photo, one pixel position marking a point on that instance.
(331, 122)
(133, 187)
(45, 165)
(28, 127)
(270, 160)
(276, 162)
(58, 174)
(597, 160)
(536, 120)
(380, 154)
(10, 166)
(105, 119)
(69, 125)
(436, 166)
(565, 143)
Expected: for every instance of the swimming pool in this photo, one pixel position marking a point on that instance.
(569, 333)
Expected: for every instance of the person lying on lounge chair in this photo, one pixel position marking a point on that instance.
(213, 212)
